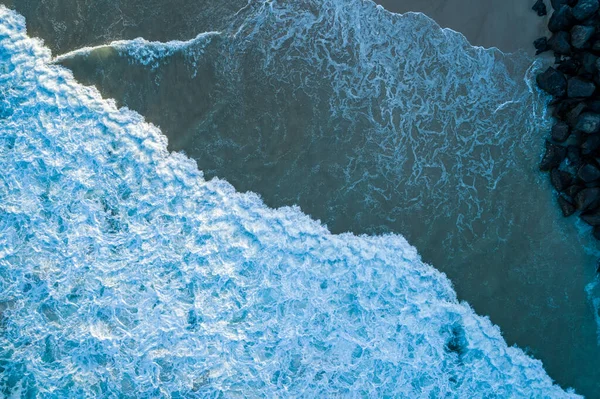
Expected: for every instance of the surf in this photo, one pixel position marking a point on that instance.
(123, 271)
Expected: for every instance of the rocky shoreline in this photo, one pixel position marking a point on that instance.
(572, 155)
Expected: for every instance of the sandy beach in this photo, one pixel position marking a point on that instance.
(509, 25)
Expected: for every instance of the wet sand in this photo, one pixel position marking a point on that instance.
(509, 25)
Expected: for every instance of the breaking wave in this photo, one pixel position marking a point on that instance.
(146, 52)
(124, 273)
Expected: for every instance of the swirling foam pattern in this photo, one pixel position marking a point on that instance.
(124, 273)
(420, 123)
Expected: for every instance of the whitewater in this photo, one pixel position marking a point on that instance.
(123, 272)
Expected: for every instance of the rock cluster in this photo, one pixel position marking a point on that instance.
(572, 155)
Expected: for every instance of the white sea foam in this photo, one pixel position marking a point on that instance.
(124, 273)
(143, 51)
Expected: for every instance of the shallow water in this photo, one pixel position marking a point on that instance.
(373, 123)
(123, 273)
(510, 25)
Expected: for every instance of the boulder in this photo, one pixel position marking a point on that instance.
(552, 82)
(561, 19)
(541, 45)
(596, 79)
(588, 173)
(556, 4)
(588, 122)
(574, 156)
(593, 105)
(560, 179)
(559, 43)
(587, 199)
(569, 66)
(573, 190)
(566, 206)
(590, 144)
(580, 34)
(553, 157)
(585, 9)
(589, 63)
(579, 87)
(565, 108)
(573, 115)
(596, 234)
(540, 8)
(560, 131)
(591, 218)
(577, 137)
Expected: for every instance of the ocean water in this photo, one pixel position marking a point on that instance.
(374, 123)
(371, 122)
(123, 273)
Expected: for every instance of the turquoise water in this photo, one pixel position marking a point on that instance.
(123, 272)
(379, 123)
(370, 122)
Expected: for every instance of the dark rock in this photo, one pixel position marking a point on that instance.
(588, 173)
(541, 45)
(552, 82)
(573, 115)
(593, 105)
(561, 19)
(559, 43)
(562, 107)
(579, 87)
(590, 144)
(553, 157)
(560, 131)
(596, 80)
(573, 190)
(587, 199)
(585, 9)
(540, 8)
(566, 206)
(577, 137)
(580, 34)
(574, 155)
(591, 218)
(589, 63)
(560, 179)
(569, 67)
(596, 45)
(595, 183)
(596, 234)
(588, 122)
(556, 4)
